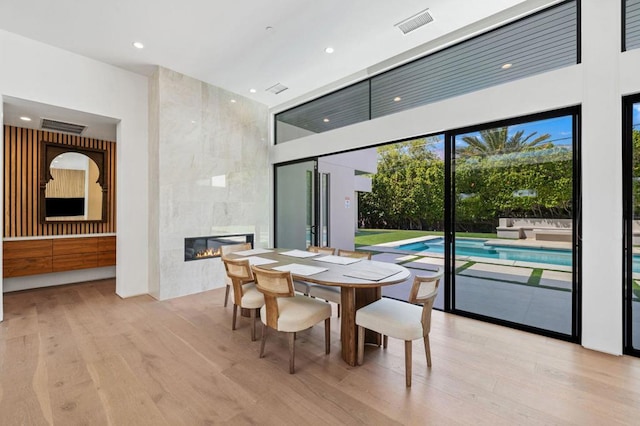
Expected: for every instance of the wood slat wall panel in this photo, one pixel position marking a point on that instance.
(21, 190)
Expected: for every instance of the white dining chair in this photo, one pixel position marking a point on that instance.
(402, 320)
(286, 311)
(303, 286)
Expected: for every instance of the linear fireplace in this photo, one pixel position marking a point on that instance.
(197, 248)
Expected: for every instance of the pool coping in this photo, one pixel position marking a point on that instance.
(390, 247)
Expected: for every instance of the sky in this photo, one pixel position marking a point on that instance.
(560, 129)
(636, 115)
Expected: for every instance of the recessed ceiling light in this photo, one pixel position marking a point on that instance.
(329, 49)
(252, 90)
(397, 99)
(233, 101)
(25, 118)
(326, 120)
(138, 45)
(506, 66)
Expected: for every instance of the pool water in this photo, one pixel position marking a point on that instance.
(472, 247)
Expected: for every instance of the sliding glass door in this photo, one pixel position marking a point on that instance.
(295, 205)
(302, 209)
(513, 245)
(632, 223)
(495, 205)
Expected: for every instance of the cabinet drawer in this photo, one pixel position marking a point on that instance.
(106, 244)
(26, 266)
(26, 249)
(70, 262)
(107, 258)
(65, 246)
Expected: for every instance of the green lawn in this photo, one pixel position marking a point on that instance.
(370, 237)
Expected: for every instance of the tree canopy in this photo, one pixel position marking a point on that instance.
(508, 176)
(498, 141)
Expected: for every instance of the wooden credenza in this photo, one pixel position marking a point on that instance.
(42, 256)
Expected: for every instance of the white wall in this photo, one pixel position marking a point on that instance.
(1, 204)
(37, 72)
(597, 84)
(343, 198)
(543, 92)
(209, 175)
(602, 177)
(341, 203)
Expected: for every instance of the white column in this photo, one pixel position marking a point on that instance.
(601, 178)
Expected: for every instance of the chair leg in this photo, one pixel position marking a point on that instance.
(263, 340)
(360, 345)
(253, 324)
(385, 341)
(407, 361)
(327, 336)
(427, 350)
(235, 312)
(292, 352)
(226, 295)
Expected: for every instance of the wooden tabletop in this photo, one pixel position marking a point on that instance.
(355, 292)
(336, 274)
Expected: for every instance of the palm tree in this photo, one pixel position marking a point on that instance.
(497, 141)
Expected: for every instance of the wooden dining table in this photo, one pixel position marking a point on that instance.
(360, 283)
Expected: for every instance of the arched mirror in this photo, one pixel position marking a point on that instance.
(72, 184)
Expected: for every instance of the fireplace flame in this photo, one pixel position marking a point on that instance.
(210, 252)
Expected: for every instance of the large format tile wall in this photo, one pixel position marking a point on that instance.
(209, 156)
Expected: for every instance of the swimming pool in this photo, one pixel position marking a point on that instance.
(477, 248)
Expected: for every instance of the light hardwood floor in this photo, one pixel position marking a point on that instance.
(79, 354)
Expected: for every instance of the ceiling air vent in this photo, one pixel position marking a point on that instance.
(277, 88)
(415, 22)
(61, 126)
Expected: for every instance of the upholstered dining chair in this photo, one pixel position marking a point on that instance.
(303, 286)
(351, 253)
(326, 292)
(402, 320)
(245, 294)
(225, 250)
(286, 311)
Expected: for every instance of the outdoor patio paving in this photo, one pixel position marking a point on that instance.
(498, 273)
(636, 323)
(496, 289)
(556, 279)
(534, 306)
(499, 289)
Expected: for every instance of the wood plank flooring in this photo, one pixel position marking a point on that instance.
(79, 354)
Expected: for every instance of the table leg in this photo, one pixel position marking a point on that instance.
(348, 327)
(352, 300)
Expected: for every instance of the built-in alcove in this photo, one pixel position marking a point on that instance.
(76, 241)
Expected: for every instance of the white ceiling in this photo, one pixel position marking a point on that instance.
(226, 43)
(98, 127)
